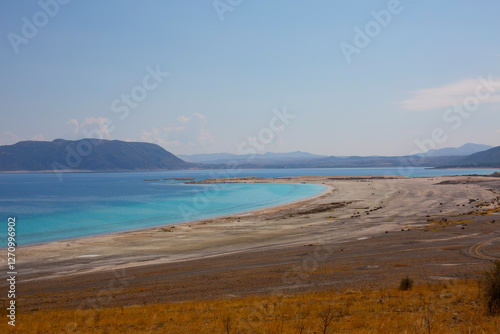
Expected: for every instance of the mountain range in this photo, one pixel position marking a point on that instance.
(222, 158)
(87, 155)
(433, 158)
(466, 149)
(115, 155)
(487, 159)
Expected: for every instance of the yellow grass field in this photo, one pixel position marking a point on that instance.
(447, 307)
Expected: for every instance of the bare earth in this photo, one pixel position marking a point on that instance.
(363, 232)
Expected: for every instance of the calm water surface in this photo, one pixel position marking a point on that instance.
(84, 204)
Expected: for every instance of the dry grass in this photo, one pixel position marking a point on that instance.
(451, 307)
(446, 222)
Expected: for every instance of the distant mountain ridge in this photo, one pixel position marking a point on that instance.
(221, 158)
(88, 155)
(488, 158)
(449, 156)
(466, 149)
(115, 155)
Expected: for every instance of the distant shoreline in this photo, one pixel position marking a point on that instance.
(343, 227)
(241, 168)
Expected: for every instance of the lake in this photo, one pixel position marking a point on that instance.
(48, 208)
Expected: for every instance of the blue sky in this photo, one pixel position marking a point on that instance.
(233, 65)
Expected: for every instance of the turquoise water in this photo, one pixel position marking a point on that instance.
(83, 204)
(86, 204)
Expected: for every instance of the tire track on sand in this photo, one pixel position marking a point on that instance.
(476, 250)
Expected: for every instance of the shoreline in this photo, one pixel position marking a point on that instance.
(86, 171)
(360, 229)
(249, 214)
(194, 221)
(135, 234)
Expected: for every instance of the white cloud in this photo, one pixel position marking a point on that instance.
(90, 127)
(485, 90)
(183, 119)
(38, 138)
(99, 125)
(74, 124)
(189, 131)
(9, 138)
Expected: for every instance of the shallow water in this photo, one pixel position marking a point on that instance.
(95, 203)
(82, 204)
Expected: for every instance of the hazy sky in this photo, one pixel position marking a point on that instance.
(345, 77)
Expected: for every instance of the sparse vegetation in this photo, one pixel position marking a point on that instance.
(406, 284)
(326, 315)
(491, 289)
(227, 323)
(427, 308)
(301, 319)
